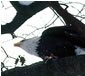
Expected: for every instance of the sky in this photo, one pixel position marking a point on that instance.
(37, 21)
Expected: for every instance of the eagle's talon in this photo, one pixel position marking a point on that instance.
(49, 58)
(46, 59)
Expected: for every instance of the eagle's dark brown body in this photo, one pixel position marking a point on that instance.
(60, 41)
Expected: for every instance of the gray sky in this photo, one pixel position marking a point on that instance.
(37, 21)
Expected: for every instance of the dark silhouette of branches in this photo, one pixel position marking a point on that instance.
(69, 19)
(72, 66)
(7, 56)
(23, 15)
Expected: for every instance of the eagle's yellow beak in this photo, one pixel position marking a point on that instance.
(17, 44)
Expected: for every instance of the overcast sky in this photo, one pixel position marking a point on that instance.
(38, 20)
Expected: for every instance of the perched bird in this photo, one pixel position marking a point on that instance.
(54, 42)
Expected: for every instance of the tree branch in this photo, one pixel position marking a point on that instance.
(24, 12)
(69, 19)
(69, 66)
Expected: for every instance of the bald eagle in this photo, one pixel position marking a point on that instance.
(55, 42)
